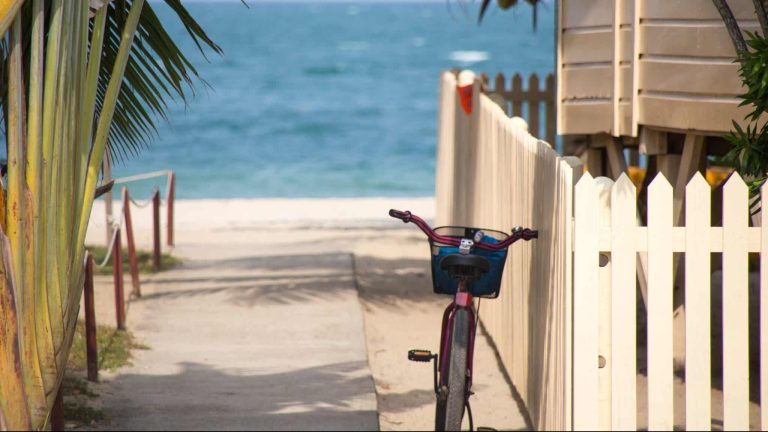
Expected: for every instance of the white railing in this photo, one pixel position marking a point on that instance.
(493, 174)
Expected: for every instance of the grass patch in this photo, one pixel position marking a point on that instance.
(144, 257)
(81, 406)
(114, 348)
(81, 414)
(76, 386)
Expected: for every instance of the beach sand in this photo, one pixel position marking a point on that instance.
(231, 247)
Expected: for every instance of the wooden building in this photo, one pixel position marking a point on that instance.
(656, 74)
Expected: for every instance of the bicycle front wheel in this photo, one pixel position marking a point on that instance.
(453, 408)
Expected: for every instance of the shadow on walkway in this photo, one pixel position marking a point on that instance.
(304, 399)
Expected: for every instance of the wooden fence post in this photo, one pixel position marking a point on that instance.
(91, 351)
(134, 262)
(533, 97)
(117, 271)
(585, 306)
(550, 110)
(659, 307)
(605, 359)
(698, 283)
(517, 95)
(623, 306)
(156, 230)
(171, 199)
(735, 305)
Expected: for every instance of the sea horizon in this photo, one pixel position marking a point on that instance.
(326, 99)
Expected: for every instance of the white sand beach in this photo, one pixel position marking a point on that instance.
(225, 220)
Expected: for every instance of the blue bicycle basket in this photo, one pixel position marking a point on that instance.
(489, 285)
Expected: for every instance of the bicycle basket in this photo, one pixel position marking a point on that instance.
(489, 284)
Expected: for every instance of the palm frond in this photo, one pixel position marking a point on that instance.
(157, 70)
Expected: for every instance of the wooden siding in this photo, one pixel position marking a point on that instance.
(596, 52)
(686, 77)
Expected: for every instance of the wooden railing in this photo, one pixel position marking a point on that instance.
(533, 99)
(124, 224)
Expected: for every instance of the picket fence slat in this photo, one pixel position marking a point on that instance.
(764, 314)
(573, 173)
(585, 301)
(623, 357)
(660, 373)
(735, 306)
(604, 379)
(698, 411)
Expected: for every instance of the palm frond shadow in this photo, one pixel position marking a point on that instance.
(287, 279)
(291, 400)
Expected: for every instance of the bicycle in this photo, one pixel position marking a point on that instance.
(466, 263)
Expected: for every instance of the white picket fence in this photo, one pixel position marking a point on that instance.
(493, 174)
(566, 327)
(605, 349)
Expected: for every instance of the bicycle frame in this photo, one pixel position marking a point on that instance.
(462, 300)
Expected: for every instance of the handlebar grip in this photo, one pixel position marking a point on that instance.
(530, 234)
(524, 233)
(404, 216)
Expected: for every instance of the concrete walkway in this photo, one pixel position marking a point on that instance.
(252, 340)
(262, 328)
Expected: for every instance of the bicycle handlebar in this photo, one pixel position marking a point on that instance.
(407, 216)
(404, 216)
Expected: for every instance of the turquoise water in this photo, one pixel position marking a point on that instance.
(329, 99)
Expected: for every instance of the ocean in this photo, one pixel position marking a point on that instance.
(328, 99)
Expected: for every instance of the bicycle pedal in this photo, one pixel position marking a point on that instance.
(418, 355)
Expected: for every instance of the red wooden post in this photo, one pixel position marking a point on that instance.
(134, 262)
(57, 412)
(91, 351)
(171, 196)
(117, 263)
(156, 229)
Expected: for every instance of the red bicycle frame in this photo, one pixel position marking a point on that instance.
(462, 300)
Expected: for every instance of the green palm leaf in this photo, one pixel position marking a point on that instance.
(157, 70)
(75, 76)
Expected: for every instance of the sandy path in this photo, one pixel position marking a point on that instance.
(253, 341)
(263, 328)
